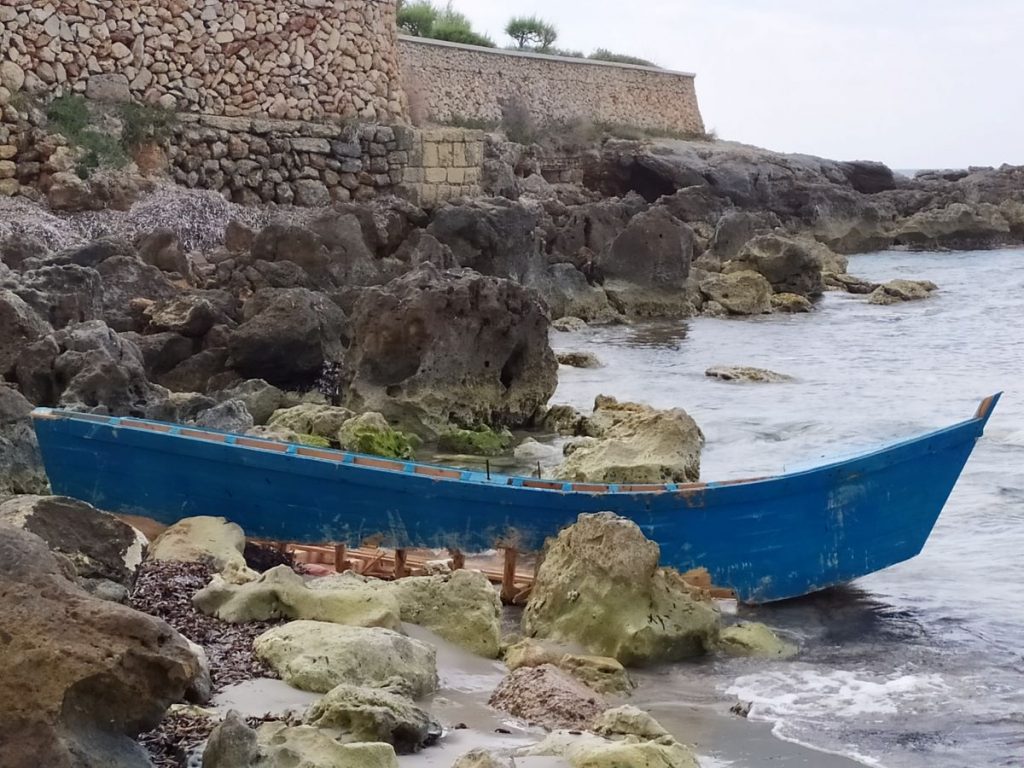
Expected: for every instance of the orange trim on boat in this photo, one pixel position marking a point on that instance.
(212, 436)
(649, 488)
(266, 445)
(438, 472)
(366, 461)
(589, 488)
(144, 425)
(319, 453)
(543, 484)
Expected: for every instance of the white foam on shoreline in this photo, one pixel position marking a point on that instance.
(799, 700)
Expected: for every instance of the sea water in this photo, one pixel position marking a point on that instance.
(921, 664)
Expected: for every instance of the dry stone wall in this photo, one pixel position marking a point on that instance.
(455, 81)
(294, 59)
(255, 161)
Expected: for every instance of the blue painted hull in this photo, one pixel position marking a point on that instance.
(767, 539)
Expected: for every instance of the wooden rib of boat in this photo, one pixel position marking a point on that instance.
(767, 538)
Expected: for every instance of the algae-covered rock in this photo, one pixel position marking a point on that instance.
(585, 750)
(600, 585)
(548, 697)
(205, 539)
(897, 291)
(306, 746)
(636, 444)
(317, 656)
(370, 433)
(530, 653)
(311, 419)
(751, 638)
(282, 593)
(462, 607)
(628, 721)
(482, 441)
(373, 714)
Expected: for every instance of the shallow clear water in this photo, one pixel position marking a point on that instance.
(921, 664)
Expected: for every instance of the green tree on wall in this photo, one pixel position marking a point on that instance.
(424, 19)
(531, 32)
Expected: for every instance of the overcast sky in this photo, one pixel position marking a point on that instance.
(914, 83)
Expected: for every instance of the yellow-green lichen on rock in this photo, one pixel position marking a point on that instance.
(205, 539)
(311, 419)
(374, 714)
(305, 746)
(482, 441)
(370, 433)
(280, 593)
(636, 444)
(599, 585)
(750, 638)
(463, 607)
(317, 656)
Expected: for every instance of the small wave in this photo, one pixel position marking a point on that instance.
(810, 694)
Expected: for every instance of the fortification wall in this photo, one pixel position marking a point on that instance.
(466, 82)
(293, 59)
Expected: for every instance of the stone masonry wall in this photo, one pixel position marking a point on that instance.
(460, 81)
(294, 59)
(255, 161)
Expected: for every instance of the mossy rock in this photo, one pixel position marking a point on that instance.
(370, 433)
(482, 441)
(314, 441)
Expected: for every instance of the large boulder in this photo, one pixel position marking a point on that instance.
(374, 715)
(89, 367)
(433, 346)
(546, 696)
(567, 292)
(21, 325)
(600, 673)
(462, 607)
(312, 419)
(959, 225)
(287, 336)
(161, 352)
(494, 237)
(371, 434)
(282, 593)
(79, 676)
(21, 466)
(791, 265)
(211, 540)
(99, 546)
(646, 267)
(599, 584)
(125, 281)
(741, 293)
(261, 399)
(319, 656)
(636, 444)
(190, 314)
(61, 294)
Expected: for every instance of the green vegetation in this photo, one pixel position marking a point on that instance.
(72, 117)
(603, 54)
(531, 32)
(424, 19)
(481, 441)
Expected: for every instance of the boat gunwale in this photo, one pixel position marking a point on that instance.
(442, 473)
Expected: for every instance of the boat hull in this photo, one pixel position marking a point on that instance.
(767, 539)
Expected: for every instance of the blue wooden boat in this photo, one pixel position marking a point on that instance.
(767, 538)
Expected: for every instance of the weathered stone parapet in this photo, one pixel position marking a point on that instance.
(456, 81)
(295, 59)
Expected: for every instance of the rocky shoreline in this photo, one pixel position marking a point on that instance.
(383, 328)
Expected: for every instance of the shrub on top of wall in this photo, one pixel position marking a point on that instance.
(424, 19)
(603, 54)
(531, 32)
